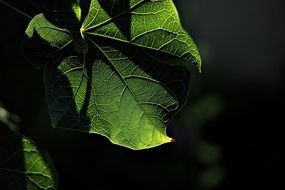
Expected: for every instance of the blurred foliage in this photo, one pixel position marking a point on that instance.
(9, 119)
(205, 154)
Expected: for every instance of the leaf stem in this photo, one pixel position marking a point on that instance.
(17, 10)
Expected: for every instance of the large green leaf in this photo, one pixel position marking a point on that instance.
(125, 75)
(23, 165)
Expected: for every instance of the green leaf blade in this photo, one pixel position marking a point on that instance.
(55, 36)
(131, 97)
(125, 77)
(23, 165)
(43, 40)
(150, 24)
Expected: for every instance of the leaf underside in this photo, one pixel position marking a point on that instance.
(122, 73)
(23, 165)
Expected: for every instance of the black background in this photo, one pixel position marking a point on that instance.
(242, 47)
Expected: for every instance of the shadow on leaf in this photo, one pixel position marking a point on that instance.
(118, 11)
(65, 112)
(154, 63)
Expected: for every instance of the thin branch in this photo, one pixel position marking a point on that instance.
(17, 10)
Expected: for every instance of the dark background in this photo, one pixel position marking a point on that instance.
(228, 136)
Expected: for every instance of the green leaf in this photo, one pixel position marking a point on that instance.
(44, 40)
(23, 165)
(127, 99)
(125, 75)
(150, 24)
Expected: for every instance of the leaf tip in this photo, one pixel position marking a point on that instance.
(199, 67)
(199, 64)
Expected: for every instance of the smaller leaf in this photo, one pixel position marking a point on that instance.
(23, 165)
(43, 40)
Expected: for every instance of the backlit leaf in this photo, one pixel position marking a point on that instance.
(126, 73)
